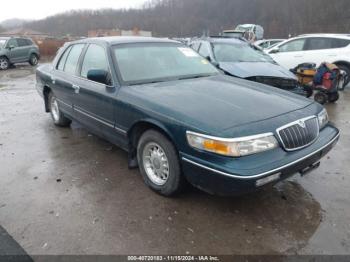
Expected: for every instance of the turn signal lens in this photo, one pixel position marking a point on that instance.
(232, 147)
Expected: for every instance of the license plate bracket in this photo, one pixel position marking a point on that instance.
(310, 168)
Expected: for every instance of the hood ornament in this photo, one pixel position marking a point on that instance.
(302, 124)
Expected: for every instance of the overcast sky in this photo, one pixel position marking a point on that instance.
(37, 9)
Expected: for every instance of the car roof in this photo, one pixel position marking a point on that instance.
(114, 40)
(14, 37)
(268, 40)
(227, 40)
(339, 36)
(345, 36)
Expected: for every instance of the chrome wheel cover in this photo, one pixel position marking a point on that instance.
(55, 110)
(155, 163)
(34, 60)
(3, 63)
(343, 80)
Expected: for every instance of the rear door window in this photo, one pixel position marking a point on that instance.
(29, 42)
(63, 59)
(318, 43)
(73, 59)
(22, 42)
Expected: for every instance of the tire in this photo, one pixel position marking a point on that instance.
(346, 72)
(321, 98)
(159, 164)
(57, 116)
(4, 63)
(33, 60)
(333, 97)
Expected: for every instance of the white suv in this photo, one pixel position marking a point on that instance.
(314, 48)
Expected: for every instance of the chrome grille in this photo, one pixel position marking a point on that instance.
(299, 134)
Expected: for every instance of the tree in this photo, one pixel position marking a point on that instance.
(170, 18)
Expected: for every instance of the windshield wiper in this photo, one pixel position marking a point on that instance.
(194, 76)
(148, 82)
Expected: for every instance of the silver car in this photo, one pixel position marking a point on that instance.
(17, 50)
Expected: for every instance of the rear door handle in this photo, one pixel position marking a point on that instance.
(297, 56)
(76, 88)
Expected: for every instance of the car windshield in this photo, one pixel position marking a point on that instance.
(142, 63)
(2, 42)
(238, 52)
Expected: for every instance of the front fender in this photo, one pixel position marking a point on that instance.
(34, 51)
(152, 122)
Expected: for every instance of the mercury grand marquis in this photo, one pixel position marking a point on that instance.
(180, 119)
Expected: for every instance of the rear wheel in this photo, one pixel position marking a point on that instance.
(159, 163)
(57, 116)
(321, 98)
(345, 71)
(33, 60)
(4, 63)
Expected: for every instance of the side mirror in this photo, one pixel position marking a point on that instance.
(208, 58)
(274, 50)
(99, 76)
(11, 47)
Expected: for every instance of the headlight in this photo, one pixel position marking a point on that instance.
(323, 118)
(235, 147)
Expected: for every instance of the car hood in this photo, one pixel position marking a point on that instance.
(213, 104)
(251, 69)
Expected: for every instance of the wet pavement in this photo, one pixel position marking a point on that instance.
(64, 191)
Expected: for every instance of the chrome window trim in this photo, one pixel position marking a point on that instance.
(230, 140)
(270, 172)
(80, 64)
(295, 123)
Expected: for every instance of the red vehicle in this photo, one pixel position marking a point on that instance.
(326, 80)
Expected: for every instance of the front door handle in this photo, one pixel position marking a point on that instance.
(298, 56)
(76, 89)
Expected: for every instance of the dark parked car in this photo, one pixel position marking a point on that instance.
(240, 59)
(180, 119)
(17, 50)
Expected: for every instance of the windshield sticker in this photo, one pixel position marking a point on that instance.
(205, 62)
(188, 52)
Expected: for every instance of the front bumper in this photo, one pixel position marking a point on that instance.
(235, 178)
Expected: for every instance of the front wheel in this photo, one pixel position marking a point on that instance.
(33, 60)
(4, 63)
(321, 98)
(159, 163)
(345, 72)
(57, 116)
